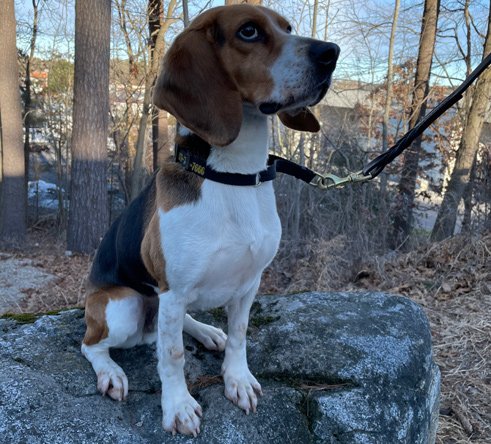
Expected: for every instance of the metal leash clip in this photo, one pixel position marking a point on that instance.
(332, 181)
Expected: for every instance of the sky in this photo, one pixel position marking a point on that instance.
(360, 28)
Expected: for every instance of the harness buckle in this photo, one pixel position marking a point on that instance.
(258, 180)
(183, 157)
(327, 181)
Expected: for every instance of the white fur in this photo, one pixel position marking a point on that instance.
(211, 337)
(215, 256)
(249, 152)
(125, 320)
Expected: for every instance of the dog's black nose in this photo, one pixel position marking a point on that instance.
(324, 53)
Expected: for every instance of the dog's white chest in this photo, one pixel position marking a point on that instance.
(216, 249)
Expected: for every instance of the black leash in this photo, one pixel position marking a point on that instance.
(197, 165)
(377, 165)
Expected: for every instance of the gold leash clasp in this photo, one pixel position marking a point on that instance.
(325, 182)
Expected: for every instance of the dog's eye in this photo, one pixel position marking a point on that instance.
(289, 29)
(249, 33)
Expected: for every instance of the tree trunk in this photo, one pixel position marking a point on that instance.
(469, 144)
(160, 126)
(185, 13)
(13, 199)
(28, 108)
(388, 99)
(156, 50)
(314, 19)
(89, 216)
(122, 15)
(326, 25)
(139, 174)
(401, 225)
(467, 198)
(160, 135)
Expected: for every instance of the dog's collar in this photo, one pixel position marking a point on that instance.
(197, 165)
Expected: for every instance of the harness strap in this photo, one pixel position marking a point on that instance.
(197, 165)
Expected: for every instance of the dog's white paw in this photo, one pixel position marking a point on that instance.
(113, 382)
(211, 337)
(181, 414)
(242, 389)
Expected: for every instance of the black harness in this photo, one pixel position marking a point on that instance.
(197, 165)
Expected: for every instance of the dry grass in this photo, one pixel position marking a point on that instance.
(451, 280)
(46, 251)
(320, 265)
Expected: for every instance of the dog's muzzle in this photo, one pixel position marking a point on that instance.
(323, 57)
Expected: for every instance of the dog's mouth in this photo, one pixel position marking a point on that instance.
(293, 103)
(270, 107)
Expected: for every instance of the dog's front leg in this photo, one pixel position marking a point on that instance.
(241, 387)
(180, 411)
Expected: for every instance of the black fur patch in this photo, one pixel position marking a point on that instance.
(118, 261)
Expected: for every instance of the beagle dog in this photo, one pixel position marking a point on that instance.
(189, 243)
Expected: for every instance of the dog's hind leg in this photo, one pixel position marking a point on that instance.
(115, 318)
(211, 337)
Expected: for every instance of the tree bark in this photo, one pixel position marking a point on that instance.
(13, 199)
(160, 126)
(185, 13)
(314, 19)
(402, 218)
(89, 216)
(156, 49)
(481, 98)
(388, 98)
(326, 25)
(467, 198)
(28, 108)
(122, 14)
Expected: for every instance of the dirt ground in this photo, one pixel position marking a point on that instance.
(451, 280)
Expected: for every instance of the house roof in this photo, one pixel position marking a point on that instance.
(347, 94)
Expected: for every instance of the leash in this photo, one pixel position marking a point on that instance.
(276, 164)
(377, 165)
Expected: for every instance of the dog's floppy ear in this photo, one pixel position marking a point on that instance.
(302, 120)
(194, 87)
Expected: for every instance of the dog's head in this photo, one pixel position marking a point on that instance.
(242, 54)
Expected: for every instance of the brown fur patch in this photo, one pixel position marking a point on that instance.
(174, 187)
(151, 252)
(95, 312)
(248, 64)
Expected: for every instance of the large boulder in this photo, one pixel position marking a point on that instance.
(335, 368)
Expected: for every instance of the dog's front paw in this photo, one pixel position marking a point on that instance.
(242, 388)
(211, 337)
(181, 414)
(113, 382)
